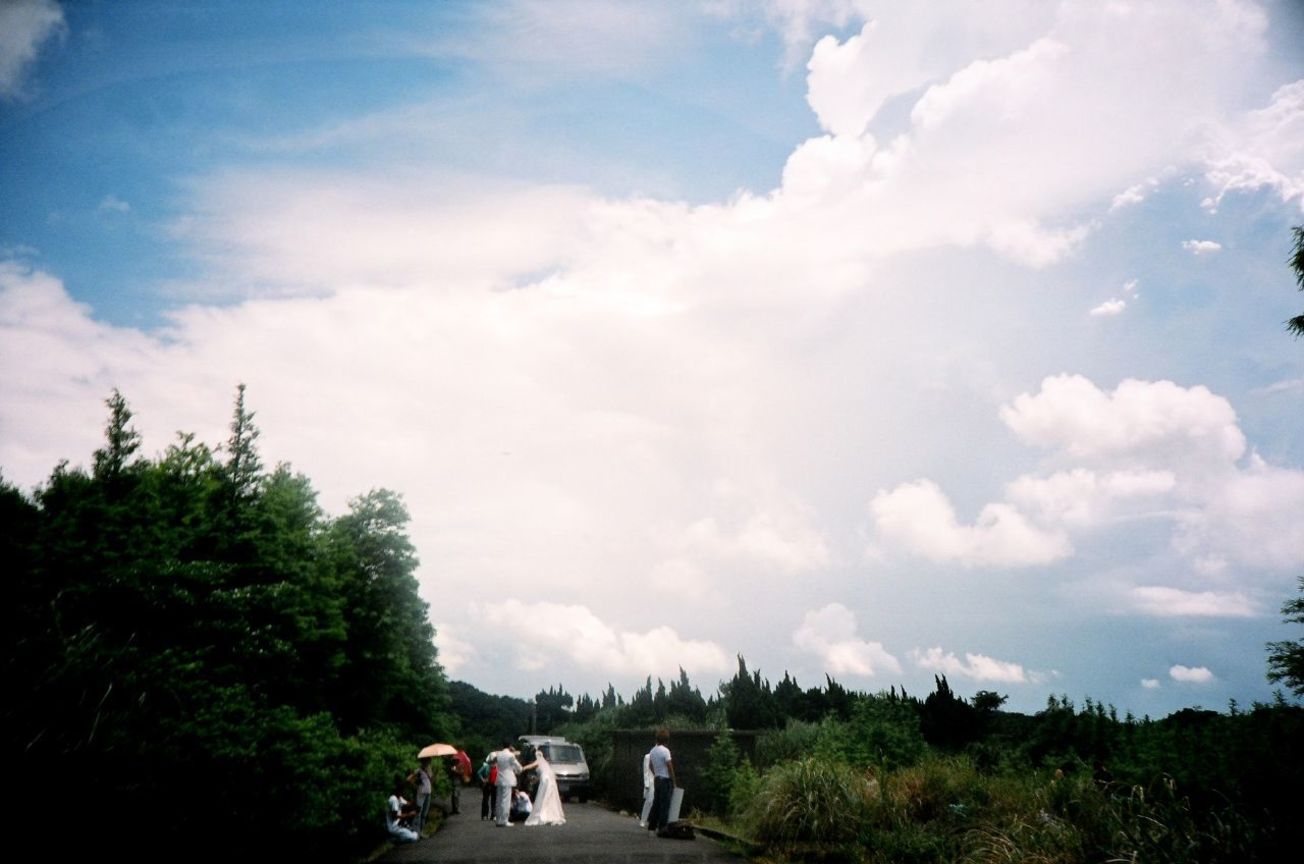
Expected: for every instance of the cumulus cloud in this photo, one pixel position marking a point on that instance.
(1264, 151)
(1084, 498)
(1072, 413)
(830, 634)
(1150, 683)
(978, 667)
(1165, 602)
(1145, 451)
(25, 26)
(1201, 247)
(1024, 111)
(543, 631)
(1190, 674)
(918, 518)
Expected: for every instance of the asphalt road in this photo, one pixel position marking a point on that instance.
(591, 835)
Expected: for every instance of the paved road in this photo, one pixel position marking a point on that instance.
(591, 835)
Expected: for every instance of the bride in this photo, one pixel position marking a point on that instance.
(547, 800)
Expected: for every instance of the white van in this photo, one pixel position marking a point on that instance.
(566, 759)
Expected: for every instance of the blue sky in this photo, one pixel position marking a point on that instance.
(882, 340)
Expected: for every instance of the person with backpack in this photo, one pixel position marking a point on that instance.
(488, 777)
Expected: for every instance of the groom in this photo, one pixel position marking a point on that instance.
(508, 768)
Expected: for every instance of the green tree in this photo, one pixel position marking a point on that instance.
(243, 465)
(749, 702)
(685, 700)
(1286, 658)
(391, 670)
(184, 626)
(1296, 324)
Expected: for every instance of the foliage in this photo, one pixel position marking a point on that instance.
(749, 702)
(486, 720)
(197, 631)
(722, 763)
(596, 739)
(1286, 658)
(796, 740)
(811, 800)
(1296, 324)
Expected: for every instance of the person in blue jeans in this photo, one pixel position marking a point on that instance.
(663, 781)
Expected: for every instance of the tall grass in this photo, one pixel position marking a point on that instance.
(944, 809)
(809, 801)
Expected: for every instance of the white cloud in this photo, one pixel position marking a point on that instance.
(25, 26)
(1071, 412)
(596, 402)
(1190, 675)
(1252, 516)
(1164, 602)
(1133, 194)
(1150, 683)
(1265, 151)
(776, 533)
(830, 634)
(978, 667)
(1109, 308)
(1083, 498)
(1201, 247)
(541, 632)
(918, 518)
(454, 651)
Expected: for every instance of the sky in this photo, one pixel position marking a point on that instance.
(876, 340)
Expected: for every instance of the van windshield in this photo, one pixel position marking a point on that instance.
(561, 753)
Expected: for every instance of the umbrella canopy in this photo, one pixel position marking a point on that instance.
(464, 765)
(437, 750)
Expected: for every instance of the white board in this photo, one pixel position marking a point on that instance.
(676, 801)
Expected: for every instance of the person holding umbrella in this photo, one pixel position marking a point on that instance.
(423, 779)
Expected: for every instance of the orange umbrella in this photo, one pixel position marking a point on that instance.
(437, 750)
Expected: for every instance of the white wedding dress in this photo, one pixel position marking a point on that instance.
(547, 800)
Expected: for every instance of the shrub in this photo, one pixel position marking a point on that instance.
(809, 801)
(797, 740)
(743, 790)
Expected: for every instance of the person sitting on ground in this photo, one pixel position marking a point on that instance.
(399, 813)
(521, 806)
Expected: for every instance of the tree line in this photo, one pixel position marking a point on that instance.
(196, 653)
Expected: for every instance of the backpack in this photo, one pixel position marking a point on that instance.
(679, 830)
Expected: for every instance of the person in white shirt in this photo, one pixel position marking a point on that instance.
(398, 810)
(663, 782)
(508, 768)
